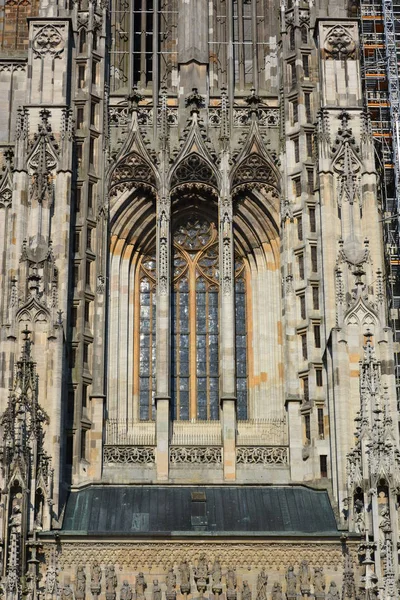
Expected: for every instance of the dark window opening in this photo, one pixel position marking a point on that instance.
(321, 429)
(323, 462)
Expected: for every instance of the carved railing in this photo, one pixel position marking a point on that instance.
(262, 455)
(125, 455)
(196, 433)
(119, 116)
(267, 117)
(257, 432)
(121, 432)
(181, 455)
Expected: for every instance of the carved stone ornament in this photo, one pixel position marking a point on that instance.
(80, 585)
(128, 455)
(216, 577)
(305, 577)
(43, 161)
(184, 571)
(142, 555)
(231, 583)
(66, 592)
(140, 586)
(95, 578)
(276, 592)
(346, 162)
(339, 44)
(195, 455)
(319, 582)
(111, 582)
(262, 581)
(48, 42)
(126, 591)
(193, 169)
(254, 170)
(263, 455)
(132, 171)
(291, 583)
(156, 592)
(333, 592)
(170, 582)
(201, 573)
(246, 591)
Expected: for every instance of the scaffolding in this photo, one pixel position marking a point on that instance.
(380, 43)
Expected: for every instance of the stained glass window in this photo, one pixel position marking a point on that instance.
(241, 340)
(147, 339)
(194, 326)
(195, 360)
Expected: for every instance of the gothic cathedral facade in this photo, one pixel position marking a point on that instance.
(197, 385)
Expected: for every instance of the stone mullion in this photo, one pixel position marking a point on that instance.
(163, 335)
(227, 336)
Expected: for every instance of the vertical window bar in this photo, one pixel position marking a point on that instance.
(143, 23)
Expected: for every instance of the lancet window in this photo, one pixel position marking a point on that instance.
(194, 326)
(147, 337)
(142, 35)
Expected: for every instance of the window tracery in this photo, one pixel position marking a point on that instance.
(147, 338)
(194, 326)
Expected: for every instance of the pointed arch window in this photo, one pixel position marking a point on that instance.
(194, 326)
(147, 337)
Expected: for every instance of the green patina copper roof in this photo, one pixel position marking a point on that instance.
(180, 510)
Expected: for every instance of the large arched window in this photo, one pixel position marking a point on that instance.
(194, 321)
(194, 326)
(147, 337)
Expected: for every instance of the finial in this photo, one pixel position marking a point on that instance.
(194, 102)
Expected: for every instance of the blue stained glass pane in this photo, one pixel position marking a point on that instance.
(184, 341)
(213, 299)
(200, 298)
(201, 341)
(241, 369)
(242, 405)
(202, 383)
(145, 299)
(183, 285)
(144, 340)
(202, 405)
(184, 370)
(143, 403)
(184, 383)
(144, 365)
(214, 385)
(241, 341)
(183, 353)
(213, 340)
(214, 365)
(200, 285)
(202, 354)
(144, 383)
(213, 324)
(214, 403)
(184, 406)
(241, 384)
(145, 325)
(201, 368)
(239, 286)
(201, 320)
